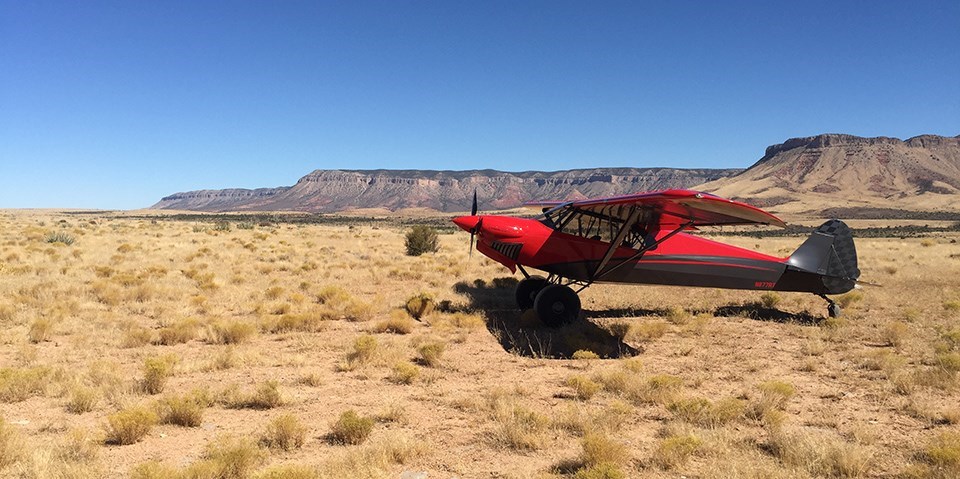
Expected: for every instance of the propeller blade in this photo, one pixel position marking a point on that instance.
(471, 244)
(473, 209)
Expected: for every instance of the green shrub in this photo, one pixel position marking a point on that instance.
(60, 237)
(351, 428)
(421, 239)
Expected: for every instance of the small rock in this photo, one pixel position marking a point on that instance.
(413, 475)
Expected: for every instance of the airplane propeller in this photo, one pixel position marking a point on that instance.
(473, 212)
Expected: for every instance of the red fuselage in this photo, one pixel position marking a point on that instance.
(681, 259)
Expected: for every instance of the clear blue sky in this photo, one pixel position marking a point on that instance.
(116, 104)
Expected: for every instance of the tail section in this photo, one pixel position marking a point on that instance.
(830, 253)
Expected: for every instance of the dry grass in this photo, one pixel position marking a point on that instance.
(184, 410)
(156, 371)
(430, 353)
(399, 322)
(130, 425)
(11, 445)
(274, 307)
(284, 432)
(351, 428)
(674, 451)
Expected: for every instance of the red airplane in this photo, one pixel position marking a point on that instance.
(641, 238)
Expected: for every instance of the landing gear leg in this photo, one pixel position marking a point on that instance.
(833, 309)
(557, 305)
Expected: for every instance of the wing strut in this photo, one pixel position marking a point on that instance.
(640, 253)
(617, 241)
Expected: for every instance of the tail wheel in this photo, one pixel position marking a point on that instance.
(557, 305)
(833, 309)
(527, 290)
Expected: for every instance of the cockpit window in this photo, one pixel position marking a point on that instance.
(602, 226)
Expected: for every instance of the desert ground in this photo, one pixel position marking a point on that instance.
(148, 348)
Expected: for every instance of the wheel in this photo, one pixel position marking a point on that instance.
(557, 305)
(527, 290)
(833, 309)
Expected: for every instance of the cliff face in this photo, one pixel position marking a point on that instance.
(921, 173)
(338, 190)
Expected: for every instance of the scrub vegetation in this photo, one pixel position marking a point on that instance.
(215, 346)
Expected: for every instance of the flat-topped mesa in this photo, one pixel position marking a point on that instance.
(442, 190)
(842, 140)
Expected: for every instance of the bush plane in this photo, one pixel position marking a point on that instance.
(643, 238)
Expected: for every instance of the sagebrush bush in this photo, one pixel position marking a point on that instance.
(421, 239)
(130, 425)
(284, 432)
(351, 428)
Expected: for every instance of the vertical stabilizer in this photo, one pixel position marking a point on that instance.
(830, 253)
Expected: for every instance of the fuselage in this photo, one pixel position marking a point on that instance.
(680, 259)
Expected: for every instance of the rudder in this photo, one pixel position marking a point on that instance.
(830, 253)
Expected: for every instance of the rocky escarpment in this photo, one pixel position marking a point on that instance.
(921, 172)
(339, 190)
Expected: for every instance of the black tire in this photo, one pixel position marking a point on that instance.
(527, 290)
(834, 310)
(557, 305)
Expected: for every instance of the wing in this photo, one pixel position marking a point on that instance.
(673, 208)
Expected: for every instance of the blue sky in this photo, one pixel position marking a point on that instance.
(116, 104)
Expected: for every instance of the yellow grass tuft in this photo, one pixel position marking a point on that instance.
(179, 332)
(583, 387)
(674, 451)
(40, 330)
(230, 331)
(156, 371)
(18, 384)
(404, 372)
(82, 399)
(284, 432)
(130, 425)
(11, 445)
(420, 305)
(351, 428)
(702, 412)
(645, 331)
(430, 353)
(598, 449)
(184, 411)
(399, 322)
